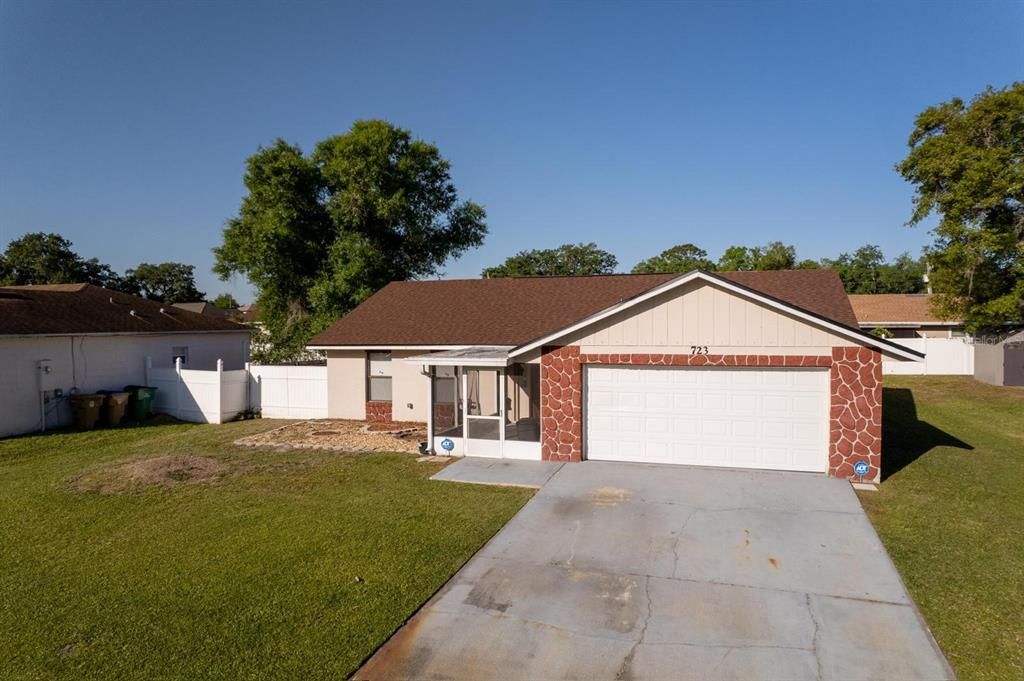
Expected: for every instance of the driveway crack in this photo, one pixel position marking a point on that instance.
(675, 546)
(625, 671)
(817, 634)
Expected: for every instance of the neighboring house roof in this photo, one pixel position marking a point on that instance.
(207, 308)
(515, 311)
(896, 308)
(63, 309)
(250, 313)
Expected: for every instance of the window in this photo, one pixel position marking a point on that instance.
(179, 352)
(378, 376)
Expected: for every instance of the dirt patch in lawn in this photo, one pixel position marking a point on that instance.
(342, 435)
(162, 471)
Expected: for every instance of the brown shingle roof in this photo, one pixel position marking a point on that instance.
(894, 308)
(83, 308)
(514, 311)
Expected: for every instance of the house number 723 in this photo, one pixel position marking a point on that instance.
(698, 349)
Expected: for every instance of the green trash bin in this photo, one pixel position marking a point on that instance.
(140, 402)
(86, 410)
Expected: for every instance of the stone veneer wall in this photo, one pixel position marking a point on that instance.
(378, 411)
(855, 428)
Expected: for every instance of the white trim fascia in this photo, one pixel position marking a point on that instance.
(457, 362)
(908, 325)
(387, 347)
(103, 334)
(839, 329)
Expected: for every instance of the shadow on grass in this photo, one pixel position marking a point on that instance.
(905, 438)
(155, 421)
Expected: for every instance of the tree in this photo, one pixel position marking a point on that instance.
(866, 271)
(681, 258)
(168, 282)
(566, 260)
(316, 235)
(966, 163)
(225, 301)
(774, 256)
(737, 259)
(47, 258)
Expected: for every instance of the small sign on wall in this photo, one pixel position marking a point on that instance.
(861, 468)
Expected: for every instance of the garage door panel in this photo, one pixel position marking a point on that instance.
(756, 418)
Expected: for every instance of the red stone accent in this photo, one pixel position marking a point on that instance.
(856, 408)
(561, 404)
(856, 412)
(378, 411)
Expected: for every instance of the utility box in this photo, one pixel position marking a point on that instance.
(47, 376)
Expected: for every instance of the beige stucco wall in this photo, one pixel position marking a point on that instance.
(702, 314)
(408, 388)
(346, 384)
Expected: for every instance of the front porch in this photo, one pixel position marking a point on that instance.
(480, 404)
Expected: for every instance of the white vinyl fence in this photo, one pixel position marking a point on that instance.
(200, 396)
(943, 357)
(289, 392)
(278, 392)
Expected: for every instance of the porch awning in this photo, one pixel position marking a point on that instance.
(473, 356)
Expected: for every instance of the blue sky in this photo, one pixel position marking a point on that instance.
(125, 126)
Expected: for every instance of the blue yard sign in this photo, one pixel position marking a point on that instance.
(447, 445)
(861, 468)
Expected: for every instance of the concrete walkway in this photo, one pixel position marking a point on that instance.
(625, 571)
(499, 472)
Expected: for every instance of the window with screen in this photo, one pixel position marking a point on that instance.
(378, 376)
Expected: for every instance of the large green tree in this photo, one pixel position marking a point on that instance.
(167, 282)
(48, 258)
(225, 301)
(680, 258)
(566, 260)
(866, 271)
(966, 163)
(773, 256)
(318, 234)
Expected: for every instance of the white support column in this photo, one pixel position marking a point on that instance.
(430, 410)
(465, 409)
(501, 409)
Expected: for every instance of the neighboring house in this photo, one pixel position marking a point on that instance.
(76, 337)
(1000, 361)
(207, 308)
(903, 315)
(737, 369)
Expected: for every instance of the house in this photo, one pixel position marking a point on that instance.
(737, 369)
(207, 308)
(56, 339)
(903, 315)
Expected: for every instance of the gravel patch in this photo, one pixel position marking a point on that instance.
(341, 435)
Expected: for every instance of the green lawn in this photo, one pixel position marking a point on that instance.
(284, 565)
(951, 513)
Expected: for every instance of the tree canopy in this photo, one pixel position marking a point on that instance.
(225, 301)
(318, 234)
(680, 258)
(773, 256)
(866, 271)
(966, 162)
(167, 282)
(47, 258)
(566, 260)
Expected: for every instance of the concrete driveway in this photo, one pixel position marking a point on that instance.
(627, 571)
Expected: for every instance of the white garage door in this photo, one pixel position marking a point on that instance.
(739, 418)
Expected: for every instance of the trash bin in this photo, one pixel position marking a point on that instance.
(86, 410)
(114, 406)
(140, 401)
